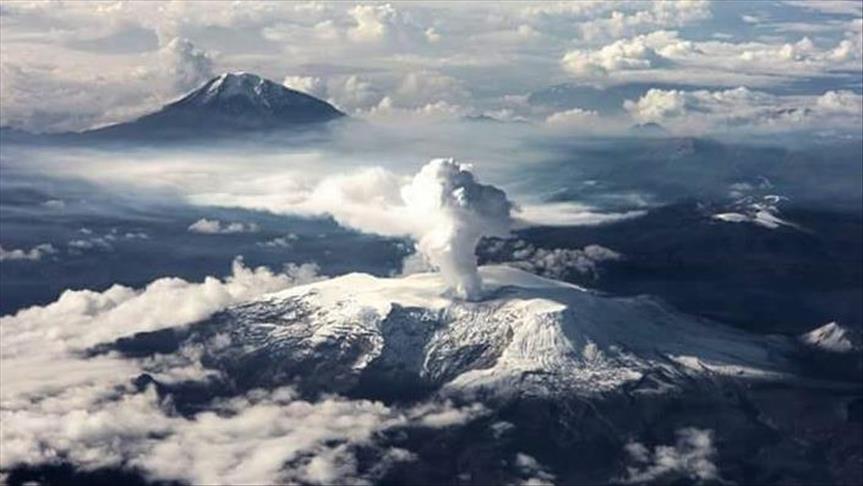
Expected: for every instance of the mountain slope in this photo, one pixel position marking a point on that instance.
(359, 334)
(229, 103)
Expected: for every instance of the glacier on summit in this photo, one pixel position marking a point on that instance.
(528, 336)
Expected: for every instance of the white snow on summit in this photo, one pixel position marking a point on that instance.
(761, 212)
(529, 335)
(237, 84)
(831, 337)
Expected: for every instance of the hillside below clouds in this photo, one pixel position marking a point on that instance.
(227, 104)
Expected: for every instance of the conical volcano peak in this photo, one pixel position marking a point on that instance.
(233, 102)
(242, 93)
(239, 84)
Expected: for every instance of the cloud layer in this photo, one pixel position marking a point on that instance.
(93, 411)
(78, 65)
(691, 458)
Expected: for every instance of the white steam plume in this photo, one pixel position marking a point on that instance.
(451, 212)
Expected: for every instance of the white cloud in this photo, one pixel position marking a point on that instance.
(426, 59)
(558, 263)
(569, 118)
(188, 66)
(625, 54)
(33, 254)
(280, 241)
(312, 85)
(533, 473)
(104, 242)
(657, 105)
(243, 440)
(600, 21)
(83, 318)
(699, 111)
(691, 457)
(663, 56)
(672, 13)
(420, 88)
(216, 227)
(842, 7)
(94, 243)
(378, 23)
(846, 102)
(66, 403)
(353, 93)
(388, 112)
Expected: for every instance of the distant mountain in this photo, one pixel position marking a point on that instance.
(229, 103)
(833, 338)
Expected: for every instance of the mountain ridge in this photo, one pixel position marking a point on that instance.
(379, 337)
(231, 103)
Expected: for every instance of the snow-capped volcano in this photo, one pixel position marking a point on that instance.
(231, 102)
(832, 338)
(248, 97)
(529, 336)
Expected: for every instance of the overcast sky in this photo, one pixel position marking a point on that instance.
(75, 65)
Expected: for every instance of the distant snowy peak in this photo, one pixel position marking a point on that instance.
(833, 338)
(227, 105)
(244, 94)
(761, 211)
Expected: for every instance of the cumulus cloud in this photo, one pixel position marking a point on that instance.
(104, 242)
(262, 437)
(83, 318)
(621, 55)
(571, 118)
(216, 227)
(691, 458)
(561, 263)
(569, 214)
(378, 23)
(418, 55)
(312, 85)
(388, 112)
(601, 21)
(279, 241)
(188, 66)
(656, 14)
(420, 88)
(33, 254)
(353, 93)
(95, 243)
(664, 56)
(88, 410)
(48, 100)
(845, 102)
(700, 110)
(532, 472)
(657, 105)
(803, 56)
(84, 409)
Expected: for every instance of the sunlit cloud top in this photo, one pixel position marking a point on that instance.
(695, 65)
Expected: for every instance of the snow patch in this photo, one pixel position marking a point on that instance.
(831, 337)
